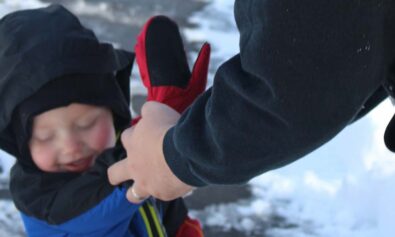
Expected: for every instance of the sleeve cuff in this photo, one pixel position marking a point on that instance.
(177, 163)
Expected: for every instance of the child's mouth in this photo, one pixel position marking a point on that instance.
(80, 164)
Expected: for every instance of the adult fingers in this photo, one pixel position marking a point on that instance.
(126, 136)
(136, 195)
(118, 172)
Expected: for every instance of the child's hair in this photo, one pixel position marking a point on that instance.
(47, 60)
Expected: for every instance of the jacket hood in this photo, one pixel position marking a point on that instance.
(40, 45)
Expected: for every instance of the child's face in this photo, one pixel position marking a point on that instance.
(68, 139)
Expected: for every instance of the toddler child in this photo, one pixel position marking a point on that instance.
(64, 100)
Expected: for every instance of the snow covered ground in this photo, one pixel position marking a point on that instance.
(346, 188)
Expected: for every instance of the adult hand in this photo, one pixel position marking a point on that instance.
(145, 162)
(165, 73)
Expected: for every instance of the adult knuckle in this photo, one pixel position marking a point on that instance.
(166, 197)
(130, 165)
(156, 194)
(162, 196)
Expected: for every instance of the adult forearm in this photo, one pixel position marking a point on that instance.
(304, 71)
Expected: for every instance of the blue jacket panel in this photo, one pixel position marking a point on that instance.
(111, 217)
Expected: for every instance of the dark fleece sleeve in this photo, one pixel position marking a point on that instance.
(304, 71)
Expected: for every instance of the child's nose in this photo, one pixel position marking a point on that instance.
(71, 145)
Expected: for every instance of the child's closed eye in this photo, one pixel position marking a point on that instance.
(43, 137)
(86, 124)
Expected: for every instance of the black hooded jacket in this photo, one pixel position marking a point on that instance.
(36, 47)
(306, 69)
(34, 51)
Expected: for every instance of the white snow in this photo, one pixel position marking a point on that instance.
(10, 222)
(217, 27)
(103, 9)
(6, 161)
(345, 188)
(7, 6)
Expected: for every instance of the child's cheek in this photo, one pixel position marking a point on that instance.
(103, 136)
(44, 157)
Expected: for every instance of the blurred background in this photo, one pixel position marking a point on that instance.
(346, 188)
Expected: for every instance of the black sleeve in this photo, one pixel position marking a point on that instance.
(304, 71)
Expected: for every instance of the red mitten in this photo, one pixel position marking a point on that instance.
(163, 65)
(190, 228)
